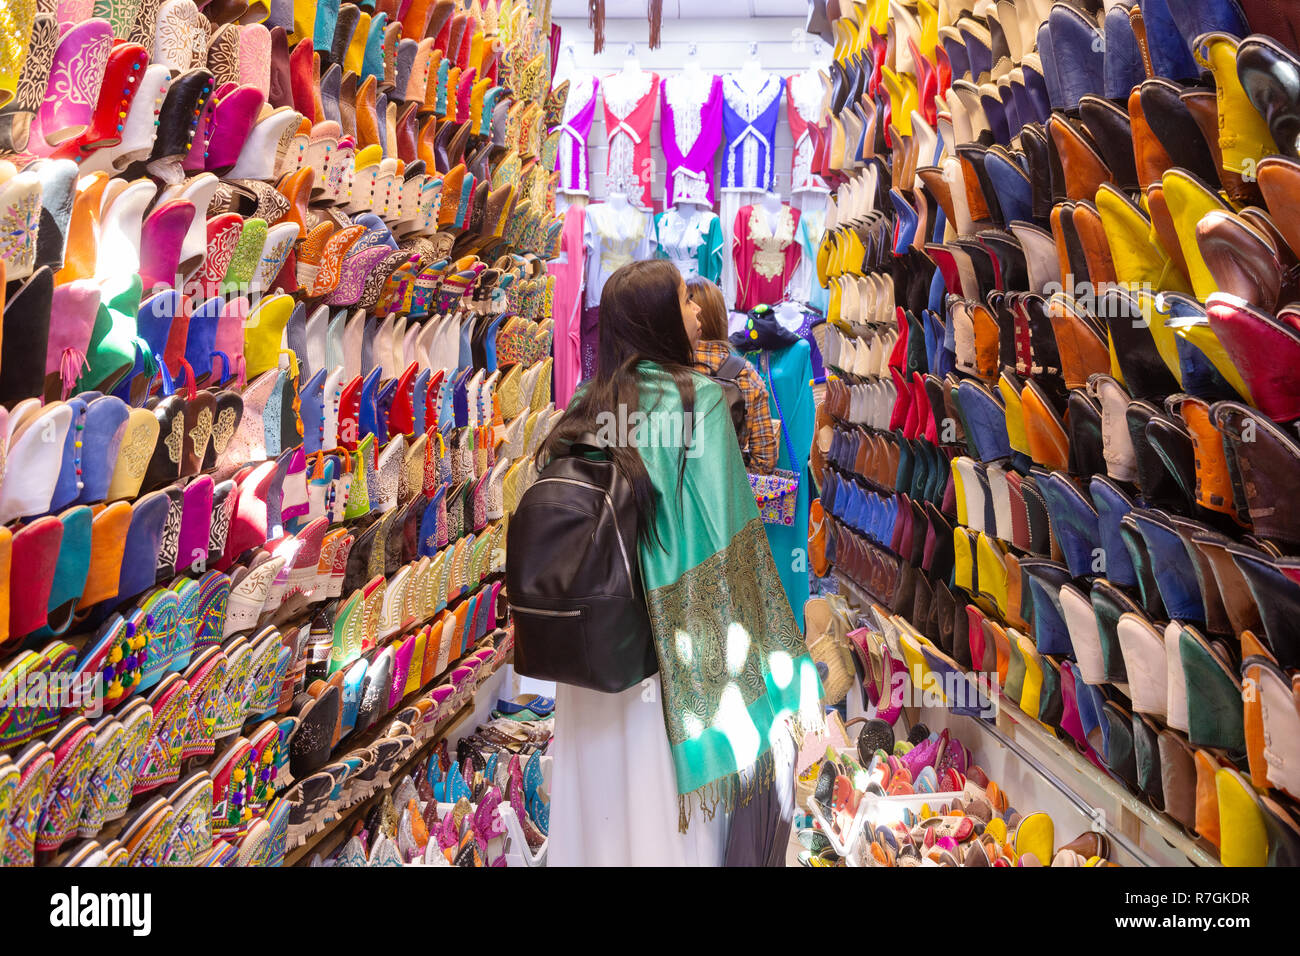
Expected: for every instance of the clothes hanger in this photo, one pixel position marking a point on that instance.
(691, 67)
(752, 69)
(821, 55)
(631, 65)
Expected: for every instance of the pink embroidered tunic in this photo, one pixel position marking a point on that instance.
(629, 113)
(804, 95)
(765, 258)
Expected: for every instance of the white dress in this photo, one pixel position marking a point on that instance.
(613, 787)
(614, 237)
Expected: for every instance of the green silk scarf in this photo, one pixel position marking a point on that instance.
(732, 661)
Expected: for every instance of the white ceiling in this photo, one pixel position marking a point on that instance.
(684, 9)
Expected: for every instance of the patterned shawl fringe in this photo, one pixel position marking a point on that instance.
(596, 20)
(738, 789)
(727, 793)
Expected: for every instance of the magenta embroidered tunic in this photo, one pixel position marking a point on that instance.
(579, 112)
(690, 131)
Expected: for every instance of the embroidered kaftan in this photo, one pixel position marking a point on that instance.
(690, 132)
(751, 109)
(629, 113)
(691, 238)
(579, 112)
(765, 257)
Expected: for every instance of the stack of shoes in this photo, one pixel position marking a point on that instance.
(936, 808)
(464, 811)
(1060, 419)
(275, 363)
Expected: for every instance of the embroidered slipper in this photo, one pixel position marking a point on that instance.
(188, 592)
(75, 77)
(232, 783)
(160, 764)
(255, 57)
(306, 802)
(191, 803)
(270, 663)
(263, 146)
(206, 678)
(309, 750)
(74, 750)
(110, 740)
(29, 91)
(35, 768)
(155, 620)
(147, 837)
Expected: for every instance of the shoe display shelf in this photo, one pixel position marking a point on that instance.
(1055, 776)
(336, 833)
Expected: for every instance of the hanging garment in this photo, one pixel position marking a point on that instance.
(691, 239)
(751, 107)
(805, 286)
(579, 112)
(568, 270)
(629, 113)
(589, 341)
(788, 379)
(765, 258)
(749, 118)
(805, 95)
(733, 200)
(690, 132)
(612, 237)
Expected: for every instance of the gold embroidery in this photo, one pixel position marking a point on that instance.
(769, 247)
(137, 449)
(202, 432)
(695, 618)
(224, 430)
(175, 441)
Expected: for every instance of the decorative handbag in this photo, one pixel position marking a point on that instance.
(776, 494)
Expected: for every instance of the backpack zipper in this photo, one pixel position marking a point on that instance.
(544, 612)
(609, 503)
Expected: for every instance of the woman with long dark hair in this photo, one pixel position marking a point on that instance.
(650, 776)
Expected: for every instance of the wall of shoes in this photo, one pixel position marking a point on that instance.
(1059, 428)
(276, 355)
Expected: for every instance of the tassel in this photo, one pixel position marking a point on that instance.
(596, 20)
(655, 10)
(71, 365)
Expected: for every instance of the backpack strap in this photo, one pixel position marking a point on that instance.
(730, 369)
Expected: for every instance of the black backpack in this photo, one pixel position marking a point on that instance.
(728, 378)
(573, 578)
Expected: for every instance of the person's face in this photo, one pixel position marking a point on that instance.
(690, 314)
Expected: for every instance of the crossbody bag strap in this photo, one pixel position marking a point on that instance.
(785, 434)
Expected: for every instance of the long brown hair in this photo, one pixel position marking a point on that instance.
(713, 309)
(640, 320)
